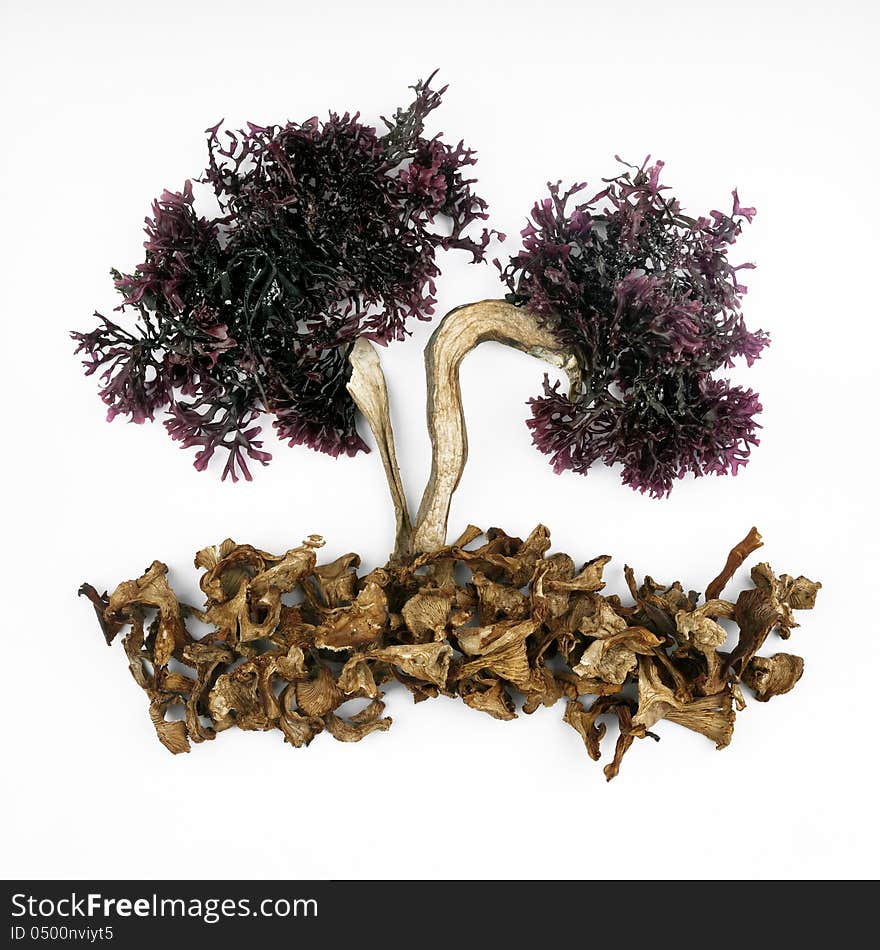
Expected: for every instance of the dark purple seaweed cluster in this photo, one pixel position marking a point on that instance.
(647, 300)
(326, 230)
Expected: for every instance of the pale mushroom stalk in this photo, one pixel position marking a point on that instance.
(457, 334)
(367, 388)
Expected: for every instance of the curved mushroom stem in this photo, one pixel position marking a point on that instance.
(368, 390)
(458, 333)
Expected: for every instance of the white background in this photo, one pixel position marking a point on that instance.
(104, 105)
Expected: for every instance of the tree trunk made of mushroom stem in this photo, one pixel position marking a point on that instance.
(458, 333)
(370, 394)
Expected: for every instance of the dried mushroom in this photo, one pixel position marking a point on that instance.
(520, 627)
(772, 676)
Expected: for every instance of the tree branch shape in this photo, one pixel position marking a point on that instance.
(368, 390)
(459, 332)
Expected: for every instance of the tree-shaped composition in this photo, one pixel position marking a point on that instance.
(325, 242)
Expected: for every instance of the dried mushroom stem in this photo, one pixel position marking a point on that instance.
(458, 333)
(368, 390)
(749, 544)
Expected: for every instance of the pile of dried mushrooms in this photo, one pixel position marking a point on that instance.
(494, 624)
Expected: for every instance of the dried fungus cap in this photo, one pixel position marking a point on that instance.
(772, 676)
